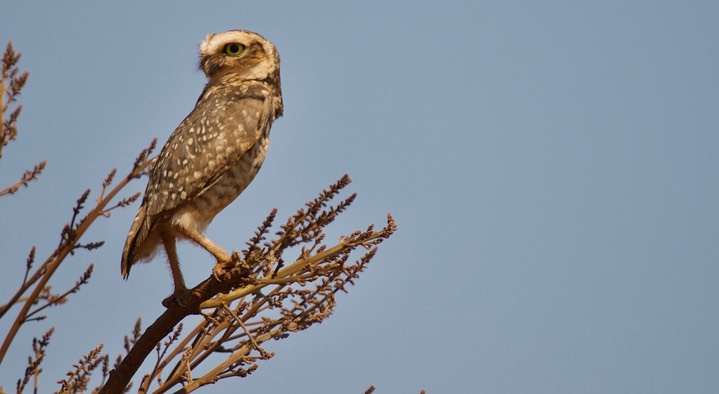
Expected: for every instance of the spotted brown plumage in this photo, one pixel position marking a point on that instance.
(214, 153)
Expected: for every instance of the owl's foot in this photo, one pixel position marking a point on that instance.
(224, 266)
(176, 299)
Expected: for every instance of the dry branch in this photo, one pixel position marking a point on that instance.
(254, 299)
(71, 235)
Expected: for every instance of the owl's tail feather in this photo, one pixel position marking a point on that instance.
(139, 231)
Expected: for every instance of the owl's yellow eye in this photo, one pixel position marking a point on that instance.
(234, 49)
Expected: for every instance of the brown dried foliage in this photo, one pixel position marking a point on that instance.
(277, 285)
(11, 83)
(259, 297)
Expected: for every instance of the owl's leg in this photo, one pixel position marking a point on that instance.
(205, 242)
(168, 241)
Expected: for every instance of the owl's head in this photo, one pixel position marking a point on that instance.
(239, 52)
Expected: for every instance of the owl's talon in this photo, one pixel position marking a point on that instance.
(217, 271)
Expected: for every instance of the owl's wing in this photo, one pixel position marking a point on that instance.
(221, 128)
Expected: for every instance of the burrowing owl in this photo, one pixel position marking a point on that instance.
(213, 154)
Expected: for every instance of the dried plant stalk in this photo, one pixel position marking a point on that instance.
(37, 282)
(254, 299)
(11, 83)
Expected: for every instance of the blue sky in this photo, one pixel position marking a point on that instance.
(552, 167)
